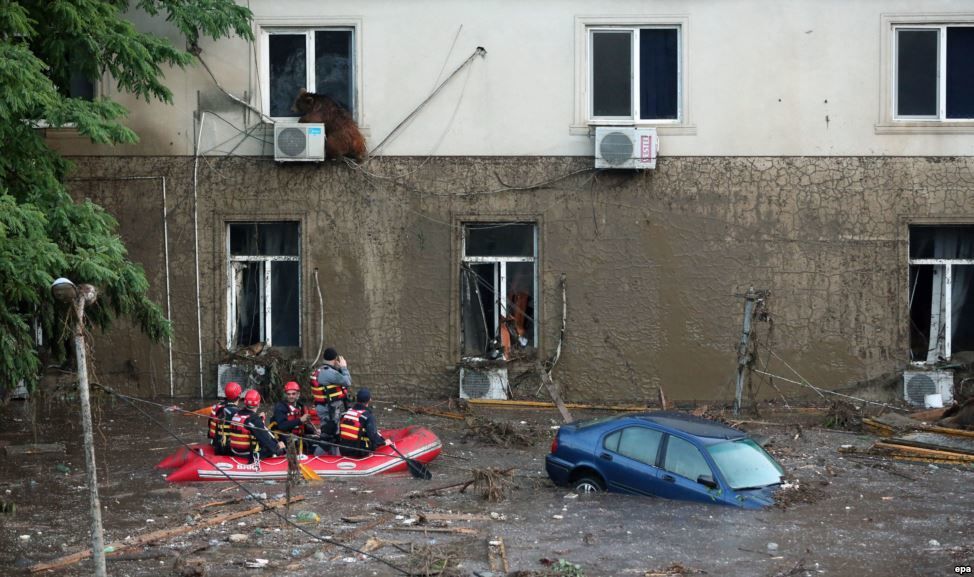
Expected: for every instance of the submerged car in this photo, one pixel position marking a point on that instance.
(664, 454)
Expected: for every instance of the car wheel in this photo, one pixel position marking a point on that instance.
(588, 485)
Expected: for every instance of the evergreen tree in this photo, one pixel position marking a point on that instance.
(44, 234)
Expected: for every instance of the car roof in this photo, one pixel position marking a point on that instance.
(690, 424)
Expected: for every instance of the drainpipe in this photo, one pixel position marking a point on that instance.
(196, 251)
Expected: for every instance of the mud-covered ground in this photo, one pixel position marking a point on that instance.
(851, 516)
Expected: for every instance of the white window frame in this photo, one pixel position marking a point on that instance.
(265, 294)
(583, 121)
(268, 27)
(500, 275)
(941, 115)
(888, 122)
(947, 264)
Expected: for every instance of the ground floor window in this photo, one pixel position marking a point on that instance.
(498, 288)
(941, 299)
(264, 284)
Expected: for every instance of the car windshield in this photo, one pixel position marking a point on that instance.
(745, 465)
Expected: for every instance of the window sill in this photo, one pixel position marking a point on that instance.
(661, 129)
(926, 127)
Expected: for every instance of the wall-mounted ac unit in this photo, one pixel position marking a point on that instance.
(239, 374)
(625, 147)
(485, 383)
(294, 142)
(919, 384)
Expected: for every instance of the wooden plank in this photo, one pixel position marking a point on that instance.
(553, 391)
(434, 412)
(459, 530)
(33, 449)
(546, 405)
(453, 517)
(948, 455)
(159, 535)
(948, 431)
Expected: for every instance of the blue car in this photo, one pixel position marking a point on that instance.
(664, 454)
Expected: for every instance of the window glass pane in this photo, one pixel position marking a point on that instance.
(612, 73)
(745, 464)
(921, 299)
(285, 287)
(961, 309)
(81, 87)
(333, 66)
(942, 241)
(498, 239)
(658, 72)
(612, 441)
(640, 443)
(264, 239)
(288, 71)
(520, 303)
(248, 285)
(685, 460)
(960, 72)
(916, 72)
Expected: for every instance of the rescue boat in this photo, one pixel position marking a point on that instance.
(200, 463)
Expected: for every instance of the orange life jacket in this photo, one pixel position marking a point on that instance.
(324, 394)
(351, 428)
(242, 441)
(215, 419)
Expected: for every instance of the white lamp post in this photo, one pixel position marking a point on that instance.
(79, 296)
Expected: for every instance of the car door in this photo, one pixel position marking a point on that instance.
(682, 464)
(628, 458)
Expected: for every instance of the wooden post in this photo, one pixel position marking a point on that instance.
(743, 357)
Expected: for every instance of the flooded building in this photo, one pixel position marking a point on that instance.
(656, 160)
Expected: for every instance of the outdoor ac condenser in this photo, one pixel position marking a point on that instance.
(918, 384)
(299, 142)
(231, 373)
(485, 383)
(625, 147)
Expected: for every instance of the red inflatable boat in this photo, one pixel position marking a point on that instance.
(201, 464)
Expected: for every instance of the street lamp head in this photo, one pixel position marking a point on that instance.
(64, 290)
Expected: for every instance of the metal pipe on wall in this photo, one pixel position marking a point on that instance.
(196, 250)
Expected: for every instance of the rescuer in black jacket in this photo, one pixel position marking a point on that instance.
(249, 433)
(290, 416)
(357, 429)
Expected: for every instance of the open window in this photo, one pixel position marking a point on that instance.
(941, 300)
(498, 289)
(264, 284)
(321, 60)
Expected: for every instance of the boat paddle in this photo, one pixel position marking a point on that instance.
(416, 469)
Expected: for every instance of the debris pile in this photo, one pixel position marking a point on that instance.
(795, 492)
(843, 415)
(492, 484)
(502, 433)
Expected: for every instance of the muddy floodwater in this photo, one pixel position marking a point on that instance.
(851, 517)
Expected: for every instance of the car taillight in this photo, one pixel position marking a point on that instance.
(554, 444)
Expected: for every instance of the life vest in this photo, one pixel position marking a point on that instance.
(351, 429)
(293, 412)
(242, 441)
(325, 393)
(216, 415)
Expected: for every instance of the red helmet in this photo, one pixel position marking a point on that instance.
(252, 398)
(291, 386)
(232, 391)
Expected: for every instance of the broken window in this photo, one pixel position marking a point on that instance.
(941, 301)
(321, 60)
(934, 72)
(498, 289)
(265, 284)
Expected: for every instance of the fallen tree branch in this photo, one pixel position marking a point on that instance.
(159, 535)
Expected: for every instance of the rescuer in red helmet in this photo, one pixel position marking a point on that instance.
(249, 434)
(290, 415)
(219, 421)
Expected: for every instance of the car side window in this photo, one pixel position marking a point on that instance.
(637, 443)
(683, 459)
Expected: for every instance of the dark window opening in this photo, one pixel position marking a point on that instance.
(658, 73)
(331, 72)
(333, 66)
(612, 73)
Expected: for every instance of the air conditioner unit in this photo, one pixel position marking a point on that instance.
(919, 384)
(239, 374)
(294, 142)
(625, 147)
(486, 383)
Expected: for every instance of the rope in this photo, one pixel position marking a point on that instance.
(252, 495)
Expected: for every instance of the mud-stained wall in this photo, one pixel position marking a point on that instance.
(653, 261)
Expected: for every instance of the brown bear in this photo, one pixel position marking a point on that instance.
(342, 136)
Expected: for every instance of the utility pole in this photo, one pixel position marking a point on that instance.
(743, 355)
(79, 296)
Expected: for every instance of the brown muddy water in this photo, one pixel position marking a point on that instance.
(857, 518)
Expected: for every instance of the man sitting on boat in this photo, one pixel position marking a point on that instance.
(290, 416)
(358, 432)
(219, 421)
(249, 435)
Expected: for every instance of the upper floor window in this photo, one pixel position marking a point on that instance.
(321, 60)
(634, 73)
(934, 72)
